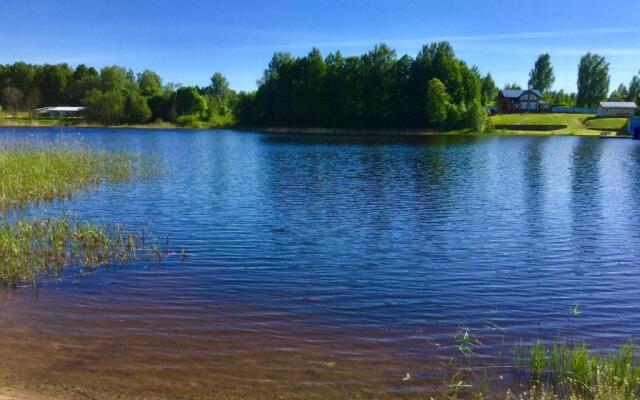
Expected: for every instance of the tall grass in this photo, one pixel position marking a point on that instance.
(34, 174)
(572, 371)
(31, 249)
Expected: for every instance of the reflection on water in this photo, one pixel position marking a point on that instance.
(331, 266)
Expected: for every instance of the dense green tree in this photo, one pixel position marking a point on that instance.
(338, 89)
(488, 90)
(456, 116)
(447, 70)
(136, 109)
(273, 98)
(560, 98)
(11, 98)
(634, 90)
(114, 78)
(83, 80)
(375, 90)
(245, 109)
(471, 84)
(593, 80)
(377, 86)
(190, 102)
(219, 89)
(541, 76)
(52, 82)
(476, 118)
(437, 60)
(163, 107)
(619, 94)
(107, 108)
(437, 108)
(400, 93)
(149, 83)
(21, 76)
(32, 100)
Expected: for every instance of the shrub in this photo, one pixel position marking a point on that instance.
(189, 121)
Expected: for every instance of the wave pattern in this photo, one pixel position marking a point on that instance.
(332, 266)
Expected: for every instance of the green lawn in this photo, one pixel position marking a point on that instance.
(605, 124)
(577, 124)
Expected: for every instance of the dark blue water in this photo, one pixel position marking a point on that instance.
(334, 265)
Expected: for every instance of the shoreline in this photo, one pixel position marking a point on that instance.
(388, 132)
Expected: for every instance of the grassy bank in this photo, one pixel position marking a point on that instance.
(577, 124)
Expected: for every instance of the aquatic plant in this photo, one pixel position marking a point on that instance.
(36, 173)
(31, 249)
(572, 370)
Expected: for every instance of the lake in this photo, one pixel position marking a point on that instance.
(326, 266)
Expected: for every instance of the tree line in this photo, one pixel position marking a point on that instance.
(375, 90)
(378, 89)
(114, 95)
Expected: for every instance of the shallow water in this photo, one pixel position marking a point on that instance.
(331, 267)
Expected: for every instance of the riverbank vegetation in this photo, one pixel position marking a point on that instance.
(574, 372)
(550, 371)
(32, 174)
(30, 249)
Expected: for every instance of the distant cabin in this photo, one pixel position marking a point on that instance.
(616, 109)
(518, 100)
(60, 112)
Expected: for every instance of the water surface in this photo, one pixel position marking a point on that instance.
(330, 266)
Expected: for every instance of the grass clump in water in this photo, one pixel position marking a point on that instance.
(33, 174)
(573, 372)
(31, 249)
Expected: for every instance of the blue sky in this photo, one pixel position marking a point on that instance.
(186, 41)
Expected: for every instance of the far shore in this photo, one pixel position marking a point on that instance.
(292, 130)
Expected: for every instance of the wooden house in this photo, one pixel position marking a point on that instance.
(518, 100)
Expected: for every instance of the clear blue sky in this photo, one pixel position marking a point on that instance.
(186, 41)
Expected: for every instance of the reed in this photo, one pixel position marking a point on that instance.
(30, 174)
(34, 172)
(572, 371)
(32, 249)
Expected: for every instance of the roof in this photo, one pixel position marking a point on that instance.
(60, 109)
(618, 104)
(516, 93)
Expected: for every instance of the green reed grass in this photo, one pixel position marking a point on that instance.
(32, 174)
(31, 249)
(572, 371)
